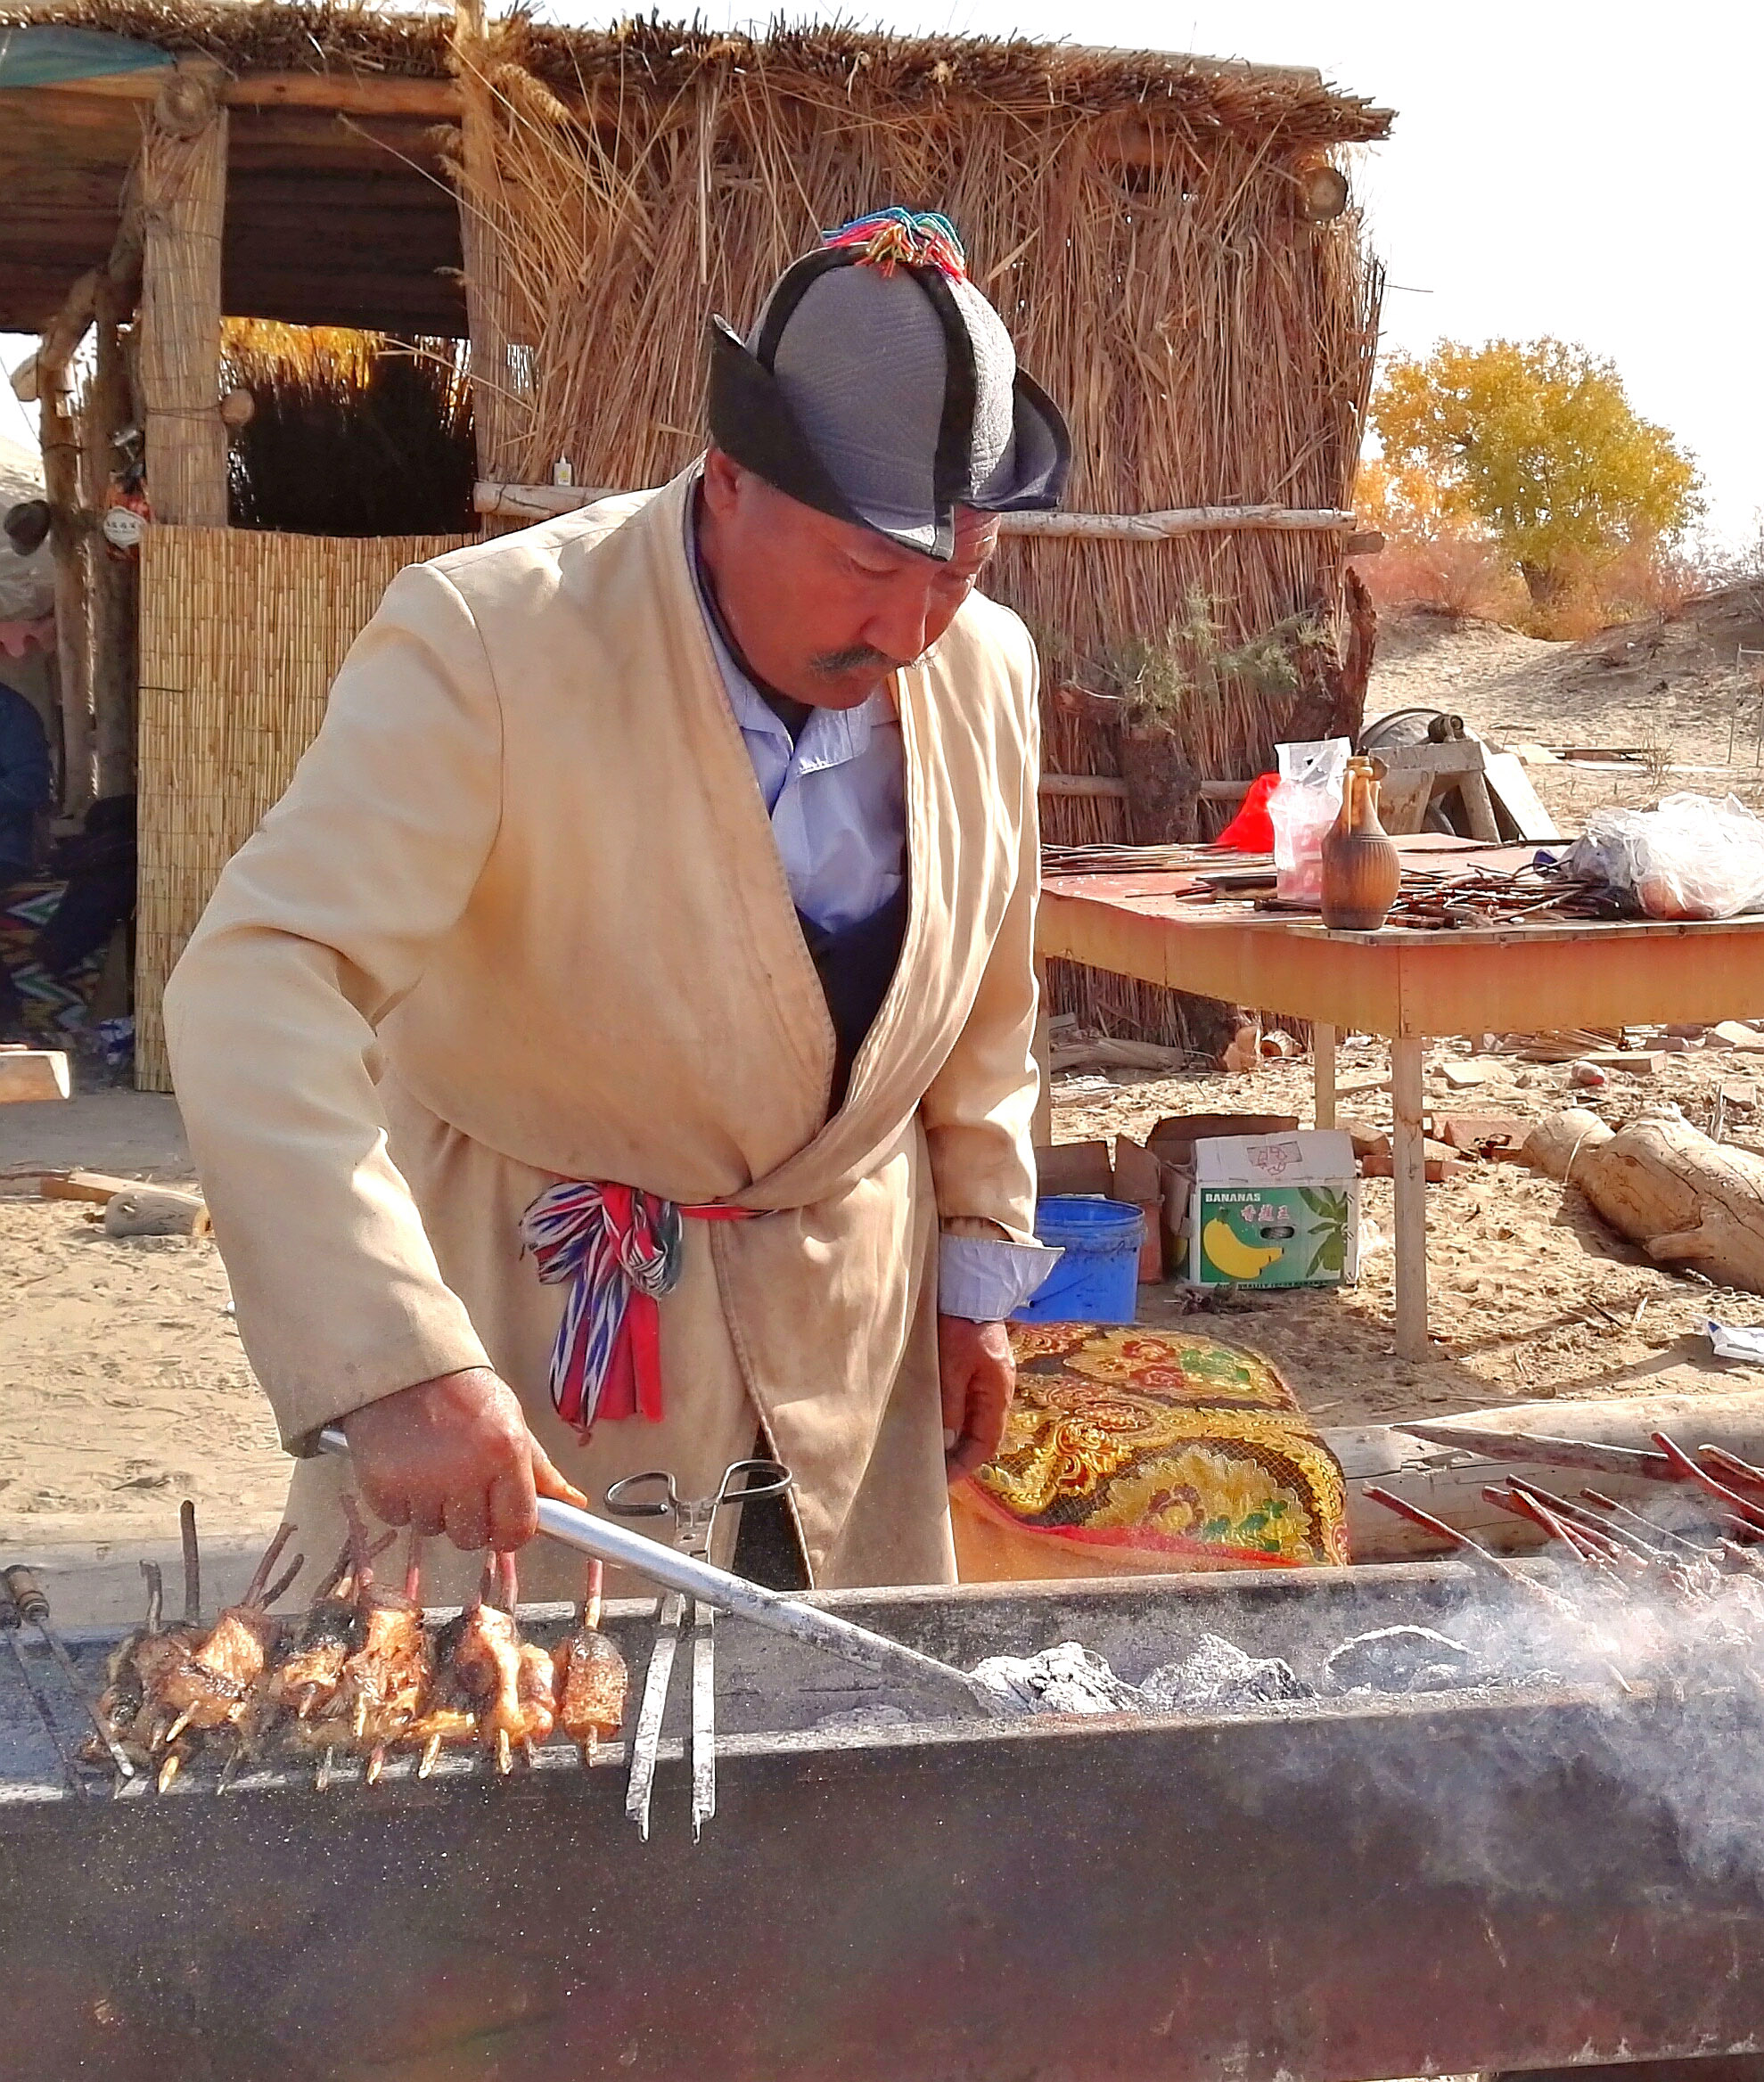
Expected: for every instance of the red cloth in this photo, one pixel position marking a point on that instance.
(1252, 830)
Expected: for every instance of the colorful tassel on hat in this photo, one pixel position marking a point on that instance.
(896, 238)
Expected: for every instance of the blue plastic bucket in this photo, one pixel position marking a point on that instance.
(1098, 1281)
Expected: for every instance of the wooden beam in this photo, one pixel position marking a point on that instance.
(108, 408)
(183, 186)
(1082, 785)
(525, 502)
(435, 101)
(29, 1076)
(1184, 521)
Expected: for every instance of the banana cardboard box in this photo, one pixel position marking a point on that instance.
(1274, 1211)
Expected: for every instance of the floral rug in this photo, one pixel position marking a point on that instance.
(1137, 1451)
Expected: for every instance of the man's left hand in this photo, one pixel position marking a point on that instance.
(979, 1377)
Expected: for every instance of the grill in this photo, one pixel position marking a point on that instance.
(1313, 1892)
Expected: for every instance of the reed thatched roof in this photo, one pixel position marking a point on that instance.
(661, 57)
(338, 207)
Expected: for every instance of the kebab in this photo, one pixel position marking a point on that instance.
(209, 1686)
(382, 1684)
(591, 1678)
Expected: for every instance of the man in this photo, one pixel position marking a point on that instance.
(637, 975)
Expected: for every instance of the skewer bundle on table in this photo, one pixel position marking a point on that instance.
(1707, 1567)
(362, 1673)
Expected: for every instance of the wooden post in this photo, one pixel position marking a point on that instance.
(60, 439)
(1042, 1133)
(183, 194)
(108, 408)
(1323, 1045)
(500, 420)
(1408, 1148)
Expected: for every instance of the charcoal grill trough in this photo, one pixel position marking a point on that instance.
(1514, 1875)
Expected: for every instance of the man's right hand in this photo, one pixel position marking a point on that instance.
(455, 1456)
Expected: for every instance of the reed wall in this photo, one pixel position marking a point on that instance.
(241, 634)
(1136, 221)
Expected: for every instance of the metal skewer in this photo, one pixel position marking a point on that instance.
(27, 1595)
(673, 1570)
(654, 1494)
(10, 1617)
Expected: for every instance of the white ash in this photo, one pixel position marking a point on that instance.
(1066, 1679)
(1218, 1677)
(1215, 1676)
(1405, 1659)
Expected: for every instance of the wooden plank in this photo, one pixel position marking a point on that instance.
(1403, 797)
(1462, 756)
(1506, 780)
(30, 1074)
(97, 1187)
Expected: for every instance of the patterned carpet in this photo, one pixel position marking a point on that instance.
(1135, 1451)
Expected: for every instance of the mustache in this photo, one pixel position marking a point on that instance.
(835, 664)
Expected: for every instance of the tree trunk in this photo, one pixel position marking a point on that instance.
(1162, 789)
(1686, 1199)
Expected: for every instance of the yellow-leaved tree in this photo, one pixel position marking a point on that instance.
(1536, 441)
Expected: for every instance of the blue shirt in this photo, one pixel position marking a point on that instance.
(837, 798)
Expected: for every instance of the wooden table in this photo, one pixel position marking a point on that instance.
(1409, 985)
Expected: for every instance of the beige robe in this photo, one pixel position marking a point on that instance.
(521, 916)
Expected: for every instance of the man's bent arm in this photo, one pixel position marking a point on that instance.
(317, 927)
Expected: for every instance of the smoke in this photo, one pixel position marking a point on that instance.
(1496, 1713)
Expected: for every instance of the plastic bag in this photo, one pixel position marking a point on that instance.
(1692, 858)
(1307, 801)
(1251, 830)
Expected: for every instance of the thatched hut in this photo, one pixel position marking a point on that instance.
(1169, 238)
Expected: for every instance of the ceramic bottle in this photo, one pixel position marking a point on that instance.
(1361, 871)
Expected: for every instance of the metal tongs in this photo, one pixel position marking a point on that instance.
(686, 1573)
(654, 1494)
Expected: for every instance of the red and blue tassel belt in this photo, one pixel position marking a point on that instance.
(621, 1250)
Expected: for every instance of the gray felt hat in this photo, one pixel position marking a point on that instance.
(879, 386)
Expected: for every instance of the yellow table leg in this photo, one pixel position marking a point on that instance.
(1409, 1151)
(1322, 1048)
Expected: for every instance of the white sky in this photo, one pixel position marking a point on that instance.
(1557, 167)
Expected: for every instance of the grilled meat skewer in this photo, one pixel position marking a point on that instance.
(591, 1677)
(385, 1682)
(209, 1685)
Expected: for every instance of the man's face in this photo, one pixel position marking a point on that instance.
(821, 610)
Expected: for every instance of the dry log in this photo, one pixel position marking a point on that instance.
(32, 1074)
(1557, 1145)
(1686, 1199)
(155, 1211)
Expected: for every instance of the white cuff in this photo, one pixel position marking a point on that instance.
(984, 1279)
